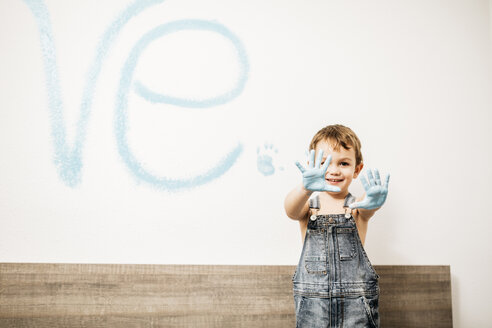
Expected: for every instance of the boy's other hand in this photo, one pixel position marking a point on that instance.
(313, 178)
(375, 191)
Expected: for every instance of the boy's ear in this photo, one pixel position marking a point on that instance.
(358, 168)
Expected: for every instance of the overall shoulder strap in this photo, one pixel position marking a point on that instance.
(349, 199)
(314, 202)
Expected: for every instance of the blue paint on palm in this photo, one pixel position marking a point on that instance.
(376, 192)
(313, 177)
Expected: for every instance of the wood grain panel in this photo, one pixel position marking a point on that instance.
(415, 296)
(119, 295)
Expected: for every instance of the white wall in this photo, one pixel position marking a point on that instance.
(411, 78)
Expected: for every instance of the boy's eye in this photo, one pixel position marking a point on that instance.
(342, 163)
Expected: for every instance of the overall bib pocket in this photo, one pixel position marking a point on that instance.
(315, 252)
(346, 243)
(315, 264)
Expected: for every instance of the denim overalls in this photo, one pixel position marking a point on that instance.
(334, 283)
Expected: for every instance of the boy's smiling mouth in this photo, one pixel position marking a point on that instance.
(334, 180)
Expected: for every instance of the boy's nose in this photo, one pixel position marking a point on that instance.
(332, 169)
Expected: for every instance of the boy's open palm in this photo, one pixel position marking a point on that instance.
(375, 191)
(313, 177)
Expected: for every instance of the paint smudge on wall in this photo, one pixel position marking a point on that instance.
(68, 159)
(126, 81)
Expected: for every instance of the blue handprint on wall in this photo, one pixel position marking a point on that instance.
(68, 160)
(265, 159)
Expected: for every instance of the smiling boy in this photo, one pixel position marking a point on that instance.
(334, 280)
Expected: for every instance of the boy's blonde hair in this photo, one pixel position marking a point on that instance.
(339, 135)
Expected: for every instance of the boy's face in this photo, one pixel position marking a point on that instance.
(342, 167)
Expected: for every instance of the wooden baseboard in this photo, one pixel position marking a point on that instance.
(128, 295)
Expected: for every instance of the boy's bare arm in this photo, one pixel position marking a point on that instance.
(296, 203)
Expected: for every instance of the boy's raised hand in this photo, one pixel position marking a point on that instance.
(313, 177)
(375, 191)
